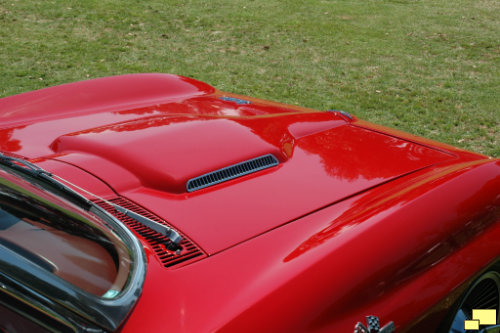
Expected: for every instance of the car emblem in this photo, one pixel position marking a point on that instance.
(373, 326)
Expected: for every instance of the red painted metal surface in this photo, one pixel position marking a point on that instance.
(356, 219)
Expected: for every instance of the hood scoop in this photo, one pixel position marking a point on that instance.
(231, 172)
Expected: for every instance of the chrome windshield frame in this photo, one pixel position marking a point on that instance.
(50, 294)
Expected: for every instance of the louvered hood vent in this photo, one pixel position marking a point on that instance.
(231, 172)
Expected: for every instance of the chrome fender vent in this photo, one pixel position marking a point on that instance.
(231, 172)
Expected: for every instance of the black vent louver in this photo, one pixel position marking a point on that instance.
(231, 172)
(189, 252)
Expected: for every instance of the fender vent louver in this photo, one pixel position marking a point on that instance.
(231, 172)
(189, 253)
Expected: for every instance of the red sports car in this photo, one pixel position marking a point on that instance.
(156, 203)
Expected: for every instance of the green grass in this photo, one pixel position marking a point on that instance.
(429, 67)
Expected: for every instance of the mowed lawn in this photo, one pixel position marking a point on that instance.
(429, 67)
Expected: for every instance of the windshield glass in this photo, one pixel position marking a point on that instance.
(68, 245)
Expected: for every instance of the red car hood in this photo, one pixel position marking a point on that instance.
(146, 149)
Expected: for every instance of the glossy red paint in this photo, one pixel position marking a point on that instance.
(356, 219)
(327, 270)
(150, 158)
